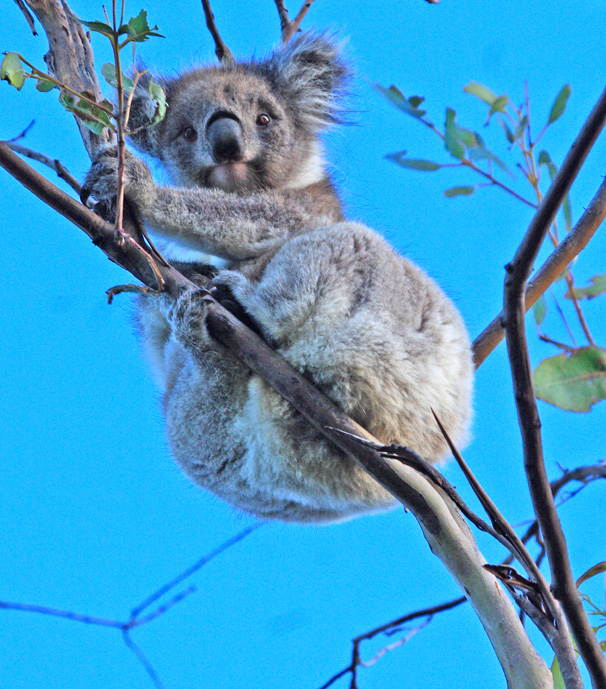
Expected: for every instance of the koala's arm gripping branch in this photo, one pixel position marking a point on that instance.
(233, 227)
(442, 524)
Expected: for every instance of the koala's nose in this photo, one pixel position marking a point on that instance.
(225, 138)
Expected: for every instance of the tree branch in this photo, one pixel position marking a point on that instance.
(443, 526)
(575, 242)
(514, 309)
(222, 52)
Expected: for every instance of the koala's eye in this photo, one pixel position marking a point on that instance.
(190, 134)
(263, 120)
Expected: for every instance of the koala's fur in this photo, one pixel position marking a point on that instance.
(369, 328)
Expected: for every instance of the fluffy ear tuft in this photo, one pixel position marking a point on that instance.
(142, 113)
(311, 73)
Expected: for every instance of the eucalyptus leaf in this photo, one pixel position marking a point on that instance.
(413, 163)
(480, 92)
(597, 286)
(591, 572)
(556, 673)
(508, 133)
(158, 94)
(397, 98)
(109, 72)
(138, 29)
(545, 159)
(100, 27)
(452, 141)
(480, 152)
(572, 381)
(44, 85)
(498, 105)
(539, 309)
(559, 104)
(459, 191)
(11, 70)
(521, 128)
(91, 115)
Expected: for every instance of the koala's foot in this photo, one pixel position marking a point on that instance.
(187, 317)
(102, 179)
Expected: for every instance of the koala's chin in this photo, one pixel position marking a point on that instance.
(232, 177)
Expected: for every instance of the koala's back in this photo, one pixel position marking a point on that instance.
(370, 329)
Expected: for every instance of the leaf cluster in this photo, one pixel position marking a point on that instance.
(96, 115)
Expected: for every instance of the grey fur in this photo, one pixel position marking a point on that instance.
(368, 327)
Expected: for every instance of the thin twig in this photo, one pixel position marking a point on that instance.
(56, 165)
(222, 52)
(28, 16)
(143, 659)
(514, 309)
(426, 612)
(163, 590)
(294, 25)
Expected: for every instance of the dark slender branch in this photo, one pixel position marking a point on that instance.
(514, 309)
(66, 614)
(290, 28)
(294, 25)
(222, 52)
(163, 590)
(28, 16)
(283, 14)
(426, 612)
(143, 659)
(575, 242)
(503, 527)
(585, 475)
(56, 165)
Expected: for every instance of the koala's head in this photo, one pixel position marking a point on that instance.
(251, 125)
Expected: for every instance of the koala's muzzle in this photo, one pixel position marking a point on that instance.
(225, 137)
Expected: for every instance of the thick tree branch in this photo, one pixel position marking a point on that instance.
(575, 242)
(514, 309)
(443, 526)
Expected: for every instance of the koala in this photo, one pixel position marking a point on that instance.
(366, 326)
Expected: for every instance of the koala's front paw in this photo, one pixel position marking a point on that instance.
(187, 317)
(102, 179)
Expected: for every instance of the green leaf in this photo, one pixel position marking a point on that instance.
(109, 72)
(100, 27)
(597, 286)
(415, 101)
(545, 159)
(459, 191)
(481, 92)
(158, 94)
(572, 381)
(497, 106)
(91, 115)
(559, 104)
(556, 673)
(521, 128)
(44, 85)
(508, 133)
(539, 309)
(591, 572)
(138, 29)
(412, 163)
(452, 140)
(480, 152)
(11, 70)
(397, 98)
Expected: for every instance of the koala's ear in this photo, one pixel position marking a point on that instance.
(310, 72)
(142, 113)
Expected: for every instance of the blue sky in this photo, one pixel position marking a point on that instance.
(94, 513)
